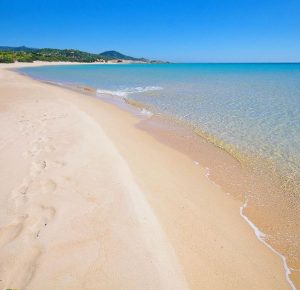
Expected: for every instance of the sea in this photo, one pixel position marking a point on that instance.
(249, 110)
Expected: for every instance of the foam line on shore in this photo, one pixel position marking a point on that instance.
(261, 237)
(125, 92)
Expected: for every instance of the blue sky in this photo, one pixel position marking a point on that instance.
(189, 31)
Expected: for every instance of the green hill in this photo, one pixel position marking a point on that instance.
(17, 48)
(26, 54)
(112, 54)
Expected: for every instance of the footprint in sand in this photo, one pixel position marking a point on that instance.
(10, 232)
(48, 212)
(21, 269)
(39, 145)
(48, 186)
(49, 148)
(22, 190)
(37, 167)
(47, 215)
(32, 152)
(19, 194)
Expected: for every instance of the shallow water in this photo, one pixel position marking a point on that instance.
(254, 107)
(250, 110)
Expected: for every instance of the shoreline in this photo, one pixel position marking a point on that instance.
(233, 182)
(225, 169)
(136, 166)
(261, 237)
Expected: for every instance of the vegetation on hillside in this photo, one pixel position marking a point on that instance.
(26, 54)
(47, 54)
(112, 54)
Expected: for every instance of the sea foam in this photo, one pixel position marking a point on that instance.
(261, 237)
(146, 112)
(127, 91)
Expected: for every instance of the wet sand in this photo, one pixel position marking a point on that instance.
(90, 201)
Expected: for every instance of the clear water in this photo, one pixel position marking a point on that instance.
(251, 109)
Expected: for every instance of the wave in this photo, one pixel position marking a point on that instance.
(261, 237)
(127, 91)
(146, 112)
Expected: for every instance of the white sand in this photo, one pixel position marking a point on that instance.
(88, 201)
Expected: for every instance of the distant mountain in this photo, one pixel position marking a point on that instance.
(26, 54)
(112, 54)
(17, 48)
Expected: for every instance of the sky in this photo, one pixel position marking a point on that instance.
(177, 31)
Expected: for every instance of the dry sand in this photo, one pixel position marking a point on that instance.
(89, 201)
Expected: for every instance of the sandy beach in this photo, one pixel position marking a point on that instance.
(90, 201)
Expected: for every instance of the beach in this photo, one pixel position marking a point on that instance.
(91, 201)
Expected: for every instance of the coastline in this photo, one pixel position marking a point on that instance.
(209, 248)
(227, 166)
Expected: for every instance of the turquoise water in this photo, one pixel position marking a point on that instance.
(253, 108)
(250, 110)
